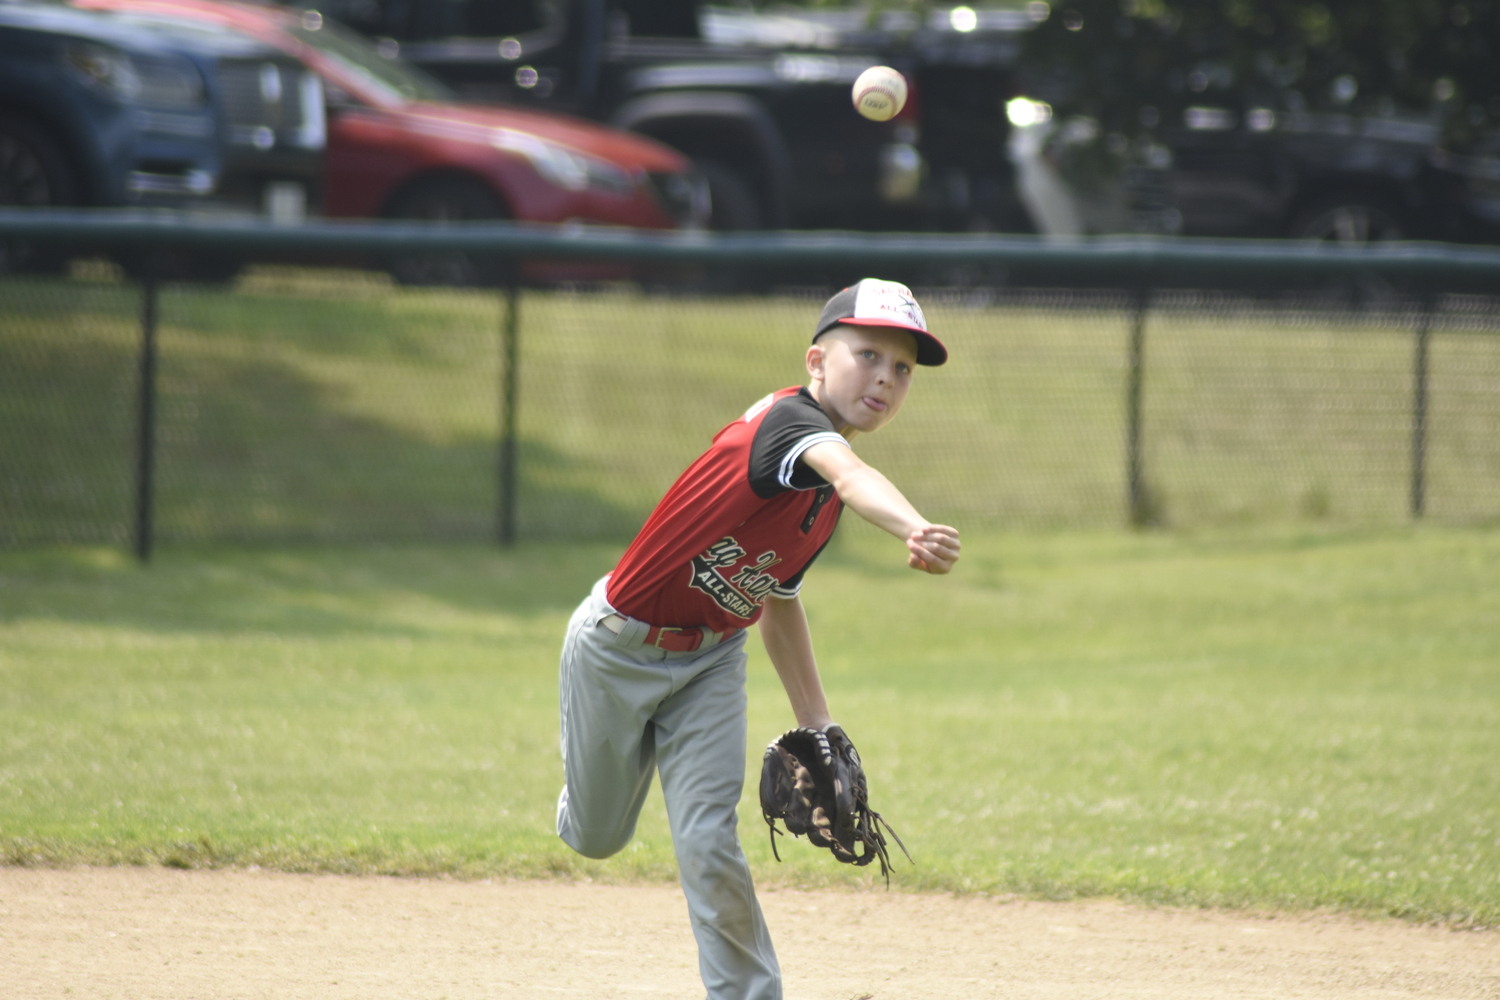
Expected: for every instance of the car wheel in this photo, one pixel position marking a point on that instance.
(35, 172)
(448, 200)
(1350, 221)
(733, 206)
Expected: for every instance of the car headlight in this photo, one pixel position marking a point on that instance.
(154, 81)
(565, 167)
(109, 70)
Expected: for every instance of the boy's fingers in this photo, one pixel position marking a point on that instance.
(936, 544)
(940, 546)
(933, 549)
(937, 534)
(930, 558)
(942, 559)
(941, 532)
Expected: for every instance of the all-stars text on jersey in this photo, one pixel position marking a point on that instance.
(746, 590)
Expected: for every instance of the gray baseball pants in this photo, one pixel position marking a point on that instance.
(628, 709)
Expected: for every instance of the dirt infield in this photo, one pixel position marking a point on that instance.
(164, 935)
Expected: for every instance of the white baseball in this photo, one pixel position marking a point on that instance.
(879, 93)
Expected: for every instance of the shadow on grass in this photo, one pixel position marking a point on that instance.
(411, 591)
(67, 423)
(252, 450)
(326, 512)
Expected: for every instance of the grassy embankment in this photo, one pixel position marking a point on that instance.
(334, 407)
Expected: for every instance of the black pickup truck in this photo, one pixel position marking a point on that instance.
(759, 101)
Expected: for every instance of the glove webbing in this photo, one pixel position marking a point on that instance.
(869, 827)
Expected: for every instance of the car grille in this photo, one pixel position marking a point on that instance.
(271, 103)
(168, 83)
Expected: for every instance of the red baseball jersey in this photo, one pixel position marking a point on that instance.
(742, 523)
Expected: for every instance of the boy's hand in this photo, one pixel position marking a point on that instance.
(933, 549)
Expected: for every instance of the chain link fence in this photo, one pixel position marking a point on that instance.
(307, 404)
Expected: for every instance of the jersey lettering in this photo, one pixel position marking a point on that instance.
(741, 594)
(725, 552)
(753, 580)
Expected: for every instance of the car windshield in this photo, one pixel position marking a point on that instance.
(395, 79)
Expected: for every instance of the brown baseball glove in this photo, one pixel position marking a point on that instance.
(813, 782)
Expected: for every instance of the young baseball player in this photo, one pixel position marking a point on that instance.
(653, 666)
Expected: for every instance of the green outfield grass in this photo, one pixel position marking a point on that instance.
(1285, 719)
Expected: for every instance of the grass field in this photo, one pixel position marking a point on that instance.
(332, 406)
(1289, 702)
(1278, 718)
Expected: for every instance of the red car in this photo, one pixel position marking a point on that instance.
(399, 146)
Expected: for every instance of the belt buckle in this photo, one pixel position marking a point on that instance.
(662, 632)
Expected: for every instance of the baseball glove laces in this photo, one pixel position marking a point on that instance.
(812, 780)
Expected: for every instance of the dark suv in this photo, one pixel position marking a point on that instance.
(105, 109)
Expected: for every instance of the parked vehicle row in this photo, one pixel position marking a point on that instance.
(758, 100)
(286, 113)
(1262, 173)
(659, 114)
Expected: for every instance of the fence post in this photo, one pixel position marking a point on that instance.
(145, 447)
(1140, 512)
(1419, 407)
(505, 524)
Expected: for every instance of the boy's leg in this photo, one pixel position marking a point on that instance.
(700, 746)
(606, 699)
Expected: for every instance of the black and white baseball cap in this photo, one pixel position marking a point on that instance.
(872, 302)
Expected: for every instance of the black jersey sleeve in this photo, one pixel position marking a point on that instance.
(794, 424)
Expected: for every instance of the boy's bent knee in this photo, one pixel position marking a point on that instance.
(591, 843)
(595, 846)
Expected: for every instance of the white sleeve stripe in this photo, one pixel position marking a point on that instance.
(784, 476)
(787, 592)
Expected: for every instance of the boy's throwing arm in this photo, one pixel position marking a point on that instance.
(864, 490)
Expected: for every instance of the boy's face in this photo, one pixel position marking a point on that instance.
(861, 374)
